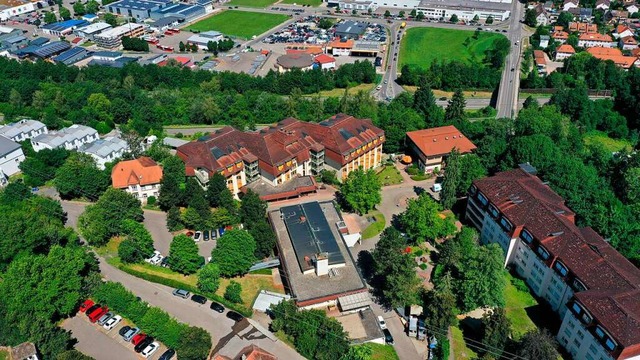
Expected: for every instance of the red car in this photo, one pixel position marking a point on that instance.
(138, 338)
(97, 314)
(86, 304)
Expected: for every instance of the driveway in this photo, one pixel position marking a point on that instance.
(99, 344)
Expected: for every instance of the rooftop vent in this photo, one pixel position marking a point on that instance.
(434, 139)
(556, 233)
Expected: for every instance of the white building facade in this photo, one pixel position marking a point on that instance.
(23, 130)
(11, 156)
(71, 138)
(105, 150)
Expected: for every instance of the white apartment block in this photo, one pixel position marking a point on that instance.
(11, 156)
(105, 150)
(590, 286)
(23, 130)
(71, 138)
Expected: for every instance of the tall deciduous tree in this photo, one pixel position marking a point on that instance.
(482, 280)
(209, 278)
(454, 114)
(104, 219)
(233, 292)
(138, 243)
(80, 177)
(216, 185)
(183, 255)
(252, 208)
(451, 182)
(424, 102)
(530, 18)
(173, 175)
(234, 253)
(496, 330)
(265, 238)
(422, 220)
(362, 190)
(195, 344)
(537, 345)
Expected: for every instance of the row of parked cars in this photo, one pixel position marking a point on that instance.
(143, 343)
(203, 300)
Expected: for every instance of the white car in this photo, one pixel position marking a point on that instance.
(381, 322)
(111, 323)
(156, 258)
(149, 350)
(197, 236)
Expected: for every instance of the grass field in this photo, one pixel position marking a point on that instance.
(383, 352)
(302, 2)
(250, 3)
(390, 176)
(598, 137)
(459, 346)
(243, 24)
(420, 46)
(376, 227)
(516, 302)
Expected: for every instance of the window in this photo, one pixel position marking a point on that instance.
(526, 236)
(580, 334)
(578, 285)
(544, 254)
(576, 342)
(593, 349)
(494, 211)
(560, 268)
(483, 200)
(506, 224)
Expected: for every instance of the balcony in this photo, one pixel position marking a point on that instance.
(202, 176)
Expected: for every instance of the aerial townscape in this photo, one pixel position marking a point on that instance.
(319, 179)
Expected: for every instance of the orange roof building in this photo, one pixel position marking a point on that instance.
(564, 51)
(592, 40)
(431, 146)
(599, 51)
(583, 28)
(251, 352)
(614, 55)
(140, 177)
(560, 36)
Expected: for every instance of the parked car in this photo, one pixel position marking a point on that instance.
(104, 318)
(86, 304)
(150, 349)
(93, 308)
(234, 316)
(205, 235)
(112, 322)
(155, 259)
(381, 322)
(181, 293)
(165, 262)
(216, 307)
(199, 299)
(143, 344)
(123, 330)
(130, 334)
(167, 355)
(388, 339)
(138, 339)
(98, 313)
(197, 236)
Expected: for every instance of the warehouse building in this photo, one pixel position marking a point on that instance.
(45, 51)
(112, 38)
(15, 8)
(137, 9)
(92, 30)
(202, 39)
(350, 29)
(72, 56)
(63, 28)
(182, 11)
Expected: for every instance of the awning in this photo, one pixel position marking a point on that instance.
(354, 301)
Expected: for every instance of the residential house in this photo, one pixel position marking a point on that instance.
(583, 27)
(622, 31)
(586, 282)
(23, 130)
(105, 150)
(140, 177)
(603, 5)
(544, 41)
(632, 9)
(596, 40)
(11, 156)
(560, 36)
(251, 352)
(542, 17)
(564, 51)
(617, 16)
(325, 62)
(628, 43)
(70, 138)
(548, 5)
(540, 60)
(570, 4)
(288, 150)
(24, 351)
(582, 14)
(432, 146)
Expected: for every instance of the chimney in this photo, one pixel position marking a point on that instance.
(322, 264)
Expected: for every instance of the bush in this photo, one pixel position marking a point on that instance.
(209, 278)
(519, 284)
(423, 266)
(233, 292)
(195, 344)
(413, 170)
(151, 200)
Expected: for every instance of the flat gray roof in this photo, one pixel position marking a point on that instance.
(7, 146)
(322, 217)
(466, 4)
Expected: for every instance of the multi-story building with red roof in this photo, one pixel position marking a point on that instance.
(288, 150)
(592, 287)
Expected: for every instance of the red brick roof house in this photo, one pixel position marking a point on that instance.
(431, 146)
(140, 177)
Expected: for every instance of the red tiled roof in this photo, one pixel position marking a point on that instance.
(600, 51)
(612, 281)
(141, 171)
(276, 145)
(595, 37)
(566, 48)
(629, 40)
(324, 59)
(440, 141)
(560, 35)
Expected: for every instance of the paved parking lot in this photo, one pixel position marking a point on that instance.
(97, 342)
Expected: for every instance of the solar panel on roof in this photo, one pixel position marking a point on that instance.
(345, 134)
(217, 153)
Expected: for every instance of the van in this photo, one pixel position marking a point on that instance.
(436, 187)
(412, 329)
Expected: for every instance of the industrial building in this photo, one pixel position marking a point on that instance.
(185, 12)
(202, 39)
(92, 30)
(318, 267)
(137, 9)
(43, 51)
(436, 9)
(112, 38)
(72, 55)
(15, 8)
(63, 28)
(350, 29)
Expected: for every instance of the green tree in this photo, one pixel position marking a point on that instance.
(233, 292)
(264, 237)
(111, 19)
(439, 308)
(328, 177)
(252, 209)
(476, 18)
(454, 19)
(79, 177)
(359, 352)
(451, 182)
(496, 330)
(65, 14)
(49, 17)
(424, 102)
(174, 221)
(482, 280)
(489, 20)
(41, 166)
(564, 19)
(537, 344)
(92, 7)
(325, 23)
(198, 214)
(73, 355)
(79, 9)
(422, 220)
(209, 278)
(183, 255)
(138, 242)
(530, 18)
(530, 102)
(234, 253)
(387, 14)
(395, 279)
(454, 114)
(173, 175)
(195, 344)
(471, 168)
(104, 219)
(361, 191)
(216, 185)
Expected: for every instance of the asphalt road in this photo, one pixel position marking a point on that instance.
(96, 343)
(508, 91)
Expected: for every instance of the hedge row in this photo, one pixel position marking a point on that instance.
(180, 285)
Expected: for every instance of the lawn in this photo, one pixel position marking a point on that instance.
(598, 137)
(4, 355)
(459, 346)
(302, 2)
(243, 24)
(389, 176)
(516, 302)
(376, 227)
(383, 352)
(420, 46)
(337, 92)
(251, 3)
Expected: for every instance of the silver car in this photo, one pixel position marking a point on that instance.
(181, 293)
(130, 334)
(103, 319)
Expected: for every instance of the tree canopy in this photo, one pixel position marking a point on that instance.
(183, 255)
(104, 219)
(361, 190)
(423, 221)
(234, 253)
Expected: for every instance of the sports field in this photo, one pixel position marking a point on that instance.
(250, 3)
(243, 24)
(420, 46)
(302, 2)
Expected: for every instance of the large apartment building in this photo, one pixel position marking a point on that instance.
(285, 151)
(593, 288)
